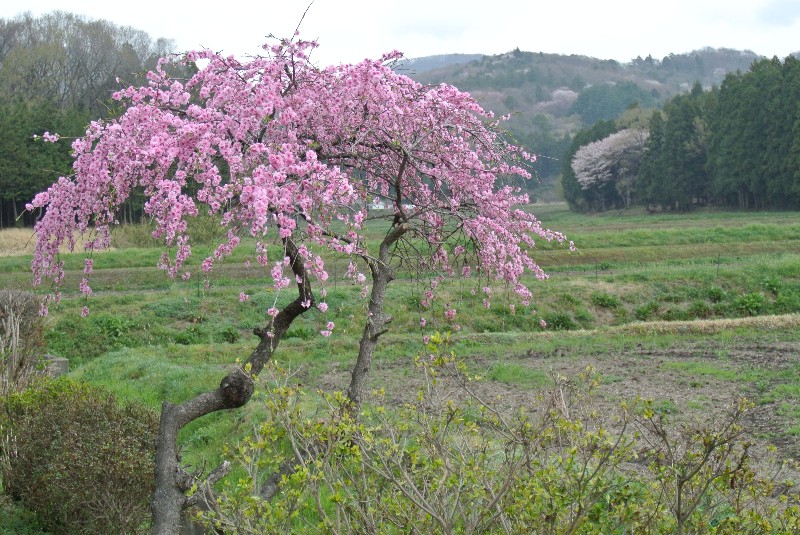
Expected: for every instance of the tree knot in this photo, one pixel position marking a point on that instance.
(236, 389)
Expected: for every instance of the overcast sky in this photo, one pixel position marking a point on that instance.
(350, 30)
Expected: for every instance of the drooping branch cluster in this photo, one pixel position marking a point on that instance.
(277, 148)
(286, 153)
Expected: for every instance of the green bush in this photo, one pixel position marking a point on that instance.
(675, 314)
(15, 520)
(772, 284)
(78, 459)
(227, 333)
(787, 302)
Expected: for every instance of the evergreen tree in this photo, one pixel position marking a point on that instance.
(652, 183)
(27, 163)
(674, 173)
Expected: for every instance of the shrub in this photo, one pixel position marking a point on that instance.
(15, 520)
(449, 461)
(440, 464)
(79, 460)
(21, 339)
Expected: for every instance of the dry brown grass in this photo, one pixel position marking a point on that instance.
(702, 327)
(21, 241)
(17, 241)
(784, 321)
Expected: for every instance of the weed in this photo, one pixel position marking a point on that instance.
(569, 299)
(716, 294)
(560, 321)
(605, 300)
(228, 334)
(190, 336)
(516, 374)
(303, 332)
(751, 304)
(645, 312)
(700, 309)
(787, 302)
(771, 284)
(665, 407)
(675, 314)
(177, 308)
(585, 318)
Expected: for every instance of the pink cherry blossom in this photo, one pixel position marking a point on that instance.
(267, 147)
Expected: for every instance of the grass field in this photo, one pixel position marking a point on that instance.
(689, 310)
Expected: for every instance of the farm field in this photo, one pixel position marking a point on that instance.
(691, 311)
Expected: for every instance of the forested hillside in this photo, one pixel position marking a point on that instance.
(552, 97)
(57, 73)
(736, 145)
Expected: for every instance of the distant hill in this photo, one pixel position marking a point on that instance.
(553, 96)
(531, 83)
(412, 66)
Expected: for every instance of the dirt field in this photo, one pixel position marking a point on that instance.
(692, 381)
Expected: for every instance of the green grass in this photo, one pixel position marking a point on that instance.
(629, 267)
(516, 374)
(720, 371)
(151, 338)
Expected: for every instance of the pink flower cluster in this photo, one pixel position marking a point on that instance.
(279, 149)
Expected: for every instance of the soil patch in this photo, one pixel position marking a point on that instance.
(696, 381)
